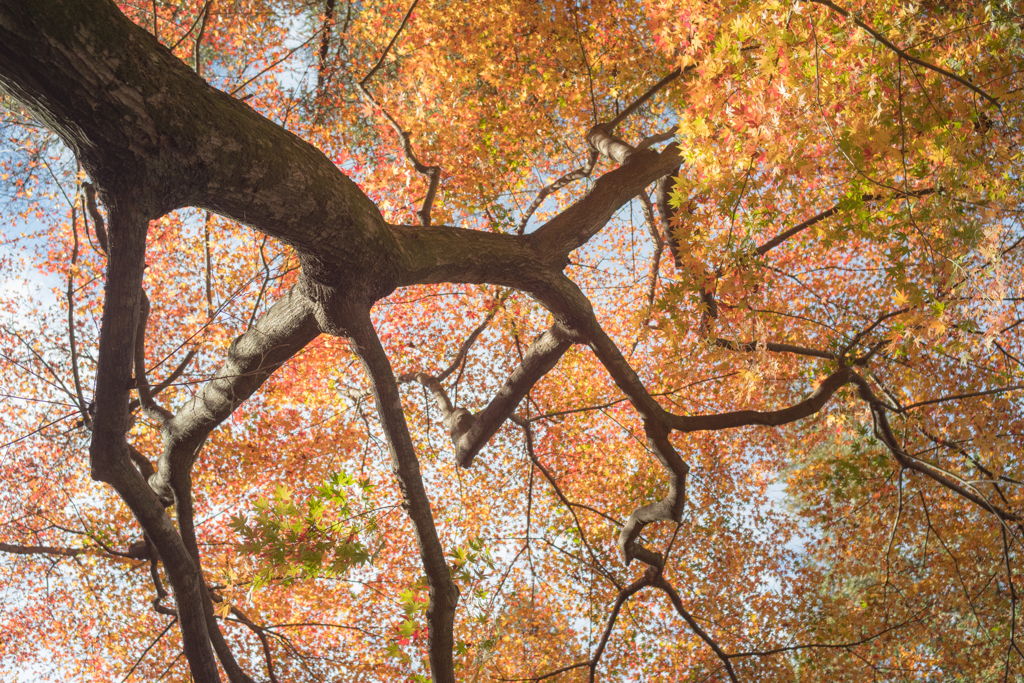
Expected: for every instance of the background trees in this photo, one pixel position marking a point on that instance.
(665, 340)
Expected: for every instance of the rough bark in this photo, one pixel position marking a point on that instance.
(155, 137)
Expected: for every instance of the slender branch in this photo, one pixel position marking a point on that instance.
(651, 92)
(828, 213)
(149, 405)
(15, 549)
(72, 344)
(325, 41)
(667, 214)
(829, 646)
(444, 594)
(471, 339)
(196, 59)
(885, 434)
(659, 247)
(660, 582)
(903, 54)
(261, 633)
(752, 346)
(142, 656)
(620, 600)
(97, 218)
(570, 177)
(383, 55)
(433, 173)
(957, 397)
(208, 263)
(531, 453)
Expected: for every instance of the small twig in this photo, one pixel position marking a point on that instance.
(570, 177)
(528, 435)
(828, 213)
(651, 92)
(156, 640)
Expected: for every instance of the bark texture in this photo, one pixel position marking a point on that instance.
(155, 137)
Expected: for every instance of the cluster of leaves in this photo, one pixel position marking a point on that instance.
(319, 537)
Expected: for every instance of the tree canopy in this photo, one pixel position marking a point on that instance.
(653, 340)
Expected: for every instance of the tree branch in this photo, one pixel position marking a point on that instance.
(903, 54)
(444, 594)
(543, 354)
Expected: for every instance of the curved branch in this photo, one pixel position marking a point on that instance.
(669, 508)
(885, 434)
(567, 179)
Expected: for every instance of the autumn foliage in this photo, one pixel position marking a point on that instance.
(660, 340)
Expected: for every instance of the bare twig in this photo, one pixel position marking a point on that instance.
(145, 652)
(828, 213)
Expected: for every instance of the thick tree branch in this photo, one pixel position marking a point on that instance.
(543, 354)
(669, 508)
(277, 336)
(444, 594)
(109, 452)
